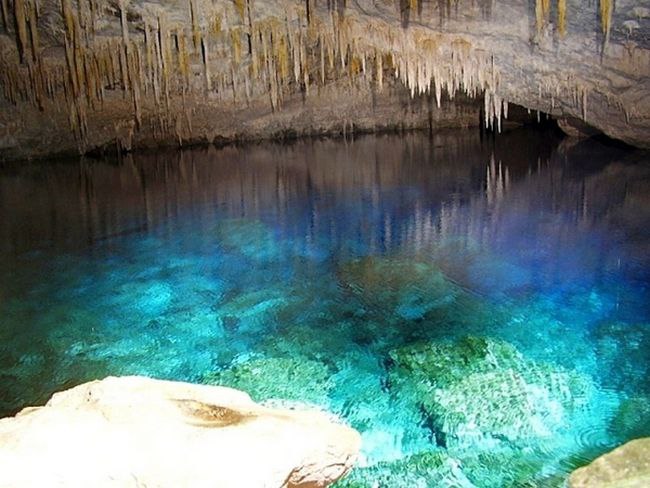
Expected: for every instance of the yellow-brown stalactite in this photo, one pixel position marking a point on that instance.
(539, 15)
(241, 8)
(196, 29)
(66, 6)
(380, 69)
(606, 11)
(183, 57)
(21, 28)
(235, 40)
(148, 46)
(322, 60)
(33, 30)
(561, 17)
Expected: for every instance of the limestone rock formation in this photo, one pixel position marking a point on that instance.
(484, 392)
(627, 466)
(407, 288)
(134, 431)
(75, 75)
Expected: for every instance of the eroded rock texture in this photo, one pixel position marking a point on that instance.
(76, 75)
(134, 431)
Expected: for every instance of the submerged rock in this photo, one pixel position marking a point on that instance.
(135, 431)
(410, 288)
(480, 392)
(293, 378)
(632, 419)
(623, 351)
(255, 308)
(250, 238)
(626, 466)
(505, 467)
(422, 470)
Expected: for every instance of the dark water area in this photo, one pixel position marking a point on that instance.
(478, 309)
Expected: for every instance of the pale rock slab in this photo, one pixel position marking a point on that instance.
(135, 431)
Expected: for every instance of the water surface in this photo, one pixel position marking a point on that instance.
(478, 310)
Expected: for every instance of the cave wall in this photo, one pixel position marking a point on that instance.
(78, 75)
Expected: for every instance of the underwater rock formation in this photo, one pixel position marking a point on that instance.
(626, 466)
(483, 392)
(632, 419)
(135, 431)
(410, 288)
(292, 378)
(250, 238)
(419, 470)
(136, 73)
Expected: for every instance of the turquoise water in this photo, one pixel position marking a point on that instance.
(478, 310)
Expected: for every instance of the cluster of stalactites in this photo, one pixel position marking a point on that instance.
(225, 53)
(543, 16)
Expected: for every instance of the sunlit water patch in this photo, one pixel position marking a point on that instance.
(478, 310)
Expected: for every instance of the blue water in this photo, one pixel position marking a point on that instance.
(478, 310)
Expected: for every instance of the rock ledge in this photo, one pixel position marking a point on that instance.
(135, 431)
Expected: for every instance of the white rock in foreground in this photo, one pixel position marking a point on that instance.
(134, 431)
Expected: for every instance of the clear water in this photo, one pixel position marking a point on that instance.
(478, 310)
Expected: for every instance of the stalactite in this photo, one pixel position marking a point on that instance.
(125, 48)
(606, 11)
(5, 16)
(206, 62)
(321, 64)
(66, 6)
(295, 54)
(235, 41)
(196, 29)
(165, 56)
(20, 14)
(241, 8)
(33, 30)
(561, 17)
(148, 46)
(281, 56)
(233, 80)
(247, 87)
(134, 76)
(183, 57)
(304, 66)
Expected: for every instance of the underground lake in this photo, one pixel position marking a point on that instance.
(477, 307)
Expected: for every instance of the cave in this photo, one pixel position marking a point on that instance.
(379, 243)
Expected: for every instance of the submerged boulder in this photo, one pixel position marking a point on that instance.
(497, 468)
(409, 287)
(251, 310)
(632, 419)
(292, 378)
(422, 470)
(134, 431)
(481, 392)
(623, 351)
(626, 466)
(249, 238)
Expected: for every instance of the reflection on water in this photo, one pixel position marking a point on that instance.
(479, 310)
